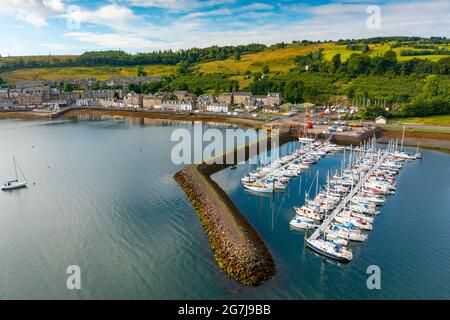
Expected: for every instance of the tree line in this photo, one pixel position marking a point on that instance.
(121, 58)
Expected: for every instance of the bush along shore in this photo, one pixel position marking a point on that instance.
(237, 247)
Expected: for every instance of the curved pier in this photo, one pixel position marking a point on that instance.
(238, 249)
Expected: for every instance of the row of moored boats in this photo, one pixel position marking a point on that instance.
(345, 209)
(275, 176)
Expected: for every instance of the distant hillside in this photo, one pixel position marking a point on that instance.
(232, 61)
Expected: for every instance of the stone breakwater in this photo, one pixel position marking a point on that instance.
(237, 247)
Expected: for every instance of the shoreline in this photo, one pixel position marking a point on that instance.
(248, 123)
(439, 141)
(434, 140)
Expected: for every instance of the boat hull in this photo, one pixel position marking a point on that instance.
(325, 253)
(15, 185)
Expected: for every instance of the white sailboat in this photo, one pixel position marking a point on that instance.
(15, 184)
(418, 155)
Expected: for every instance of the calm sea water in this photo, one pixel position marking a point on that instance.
(101, 195)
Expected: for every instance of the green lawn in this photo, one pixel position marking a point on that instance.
(443, 121)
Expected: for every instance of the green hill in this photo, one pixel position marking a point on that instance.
(279, 59)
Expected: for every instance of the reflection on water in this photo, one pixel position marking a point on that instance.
(402, 238)
(101, 195)
(141, 121)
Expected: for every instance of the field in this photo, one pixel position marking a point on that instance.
(443, 121)
(37, 58)
(279, 61)
(101, 73)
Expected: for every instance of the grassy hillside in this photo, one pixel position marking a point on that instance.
(443, 120)
(101, 73)
(278, 60)
(380, 49)
(46, 58)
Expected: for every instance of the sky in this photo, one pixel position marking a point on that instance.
(31, 27)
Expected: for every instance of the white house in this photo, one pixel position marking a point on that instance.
(381, 120)
(54, 105)
(215, 107)
(86, 102)
(185, 106)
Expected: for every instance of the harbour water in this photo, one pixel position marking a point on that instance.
(101, 196)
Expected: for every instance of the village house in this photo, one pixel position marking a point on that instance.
(271, 109)
(274, 98)
(217, 107)
(44, 91)
(30, 84)
(111, 103)
(186, 106)
(204, 101)
(174, 105)
(131, 80)
(243, 98)
(103, 94)
(79, 82)
(87, 102)
(225, 98)
(28, 99)
(182, 95)
(133, 100)
(381, 120)
(71, 97)
(14, 93)
(54, 105)
(4, 93)
(7, 104)
(151, 101)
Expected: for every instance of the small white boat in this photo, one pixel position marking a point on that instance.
(334, 237)
(15, 184)
(248, 179)
(257, 187)
(346, 233)
(357, 222)
(308, 212)
(302, 223)
(330, 249)
(306, 140)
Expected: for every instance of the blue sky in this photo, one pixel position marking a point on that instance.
(75, 26)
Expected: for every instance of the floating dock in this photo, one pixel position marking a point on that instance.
(382, 155)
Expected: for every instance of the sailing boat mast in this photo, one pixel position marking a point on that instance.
(317, 183)
(403, 136)
(15, 168)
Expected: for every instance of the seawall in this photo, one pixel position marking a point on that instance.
(238, 249)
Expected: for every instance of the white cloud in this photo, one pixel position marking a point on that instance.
(212, 13)
(111, 15)
(55, 5)
(181, 5)
(112, 40)
(32, 12)
(257, 6)
(132, 31)
(330, 9)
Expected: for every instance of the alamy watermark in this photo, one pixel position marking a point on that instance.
(374, 20)
(374, 280)
(73, 14)
(214, 146)
(73, 281)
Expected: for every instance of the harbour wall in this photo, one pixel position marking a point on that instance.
(238, 249)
